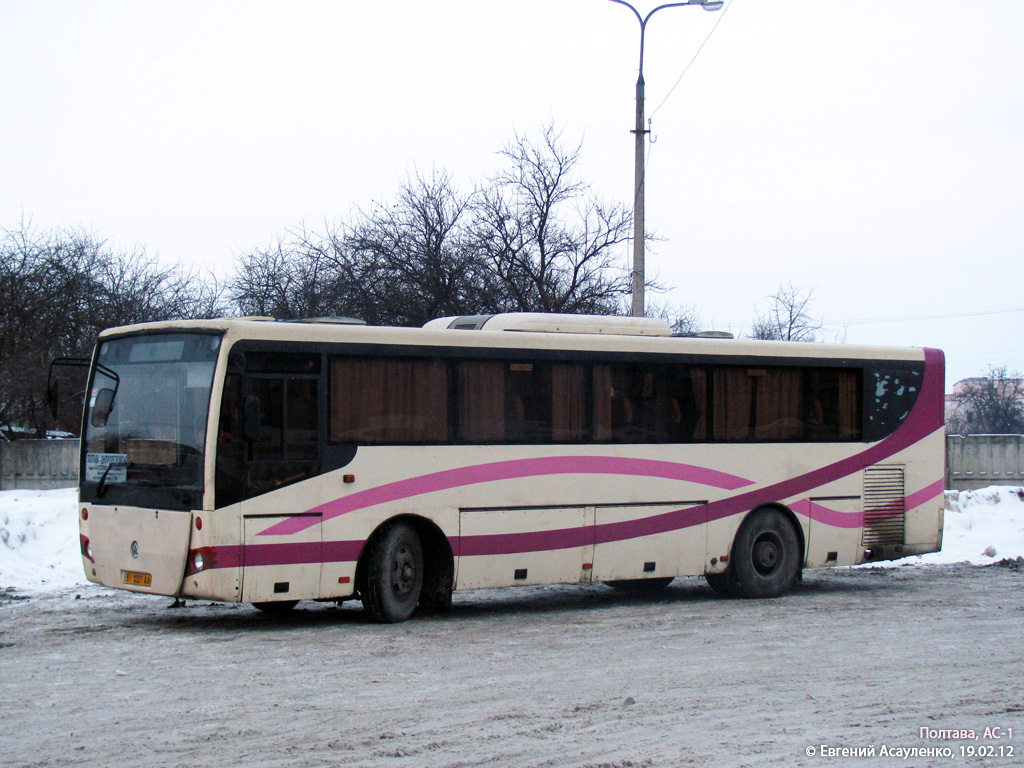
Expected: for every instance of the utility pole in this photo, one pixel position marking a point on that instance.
(641, 134)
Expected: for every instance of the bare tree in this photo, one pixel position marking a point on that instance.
(279, 280)
(399, 263)
(548, 244)
(681, 318)
(786, 318)
(531, 239)
(415, 254)
(59, 289)
(988, 405)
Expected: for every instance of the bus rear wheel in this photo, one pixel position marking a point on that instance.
(765, 555)
(392, 577)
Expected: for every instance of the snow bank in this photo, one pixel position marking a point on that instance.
(980, 527)
(39, 550)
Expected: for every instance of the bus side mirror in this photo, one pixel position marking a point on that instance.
(251, 419)
(101, 409)
(53, 383)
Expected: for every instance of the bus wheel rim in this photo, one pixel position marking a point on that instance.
(403, 571)
(767, 553)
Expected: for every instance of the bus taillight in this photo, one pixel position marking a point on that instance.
(86, 548)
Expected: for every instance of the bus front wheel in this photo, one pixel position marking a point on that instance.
(765, 556)
(393, 575)
(721, 583)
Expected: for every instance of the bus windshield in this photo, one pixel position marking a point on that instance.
(145, 425)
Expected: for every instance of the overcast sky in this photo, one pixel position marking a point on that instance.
(872, 152)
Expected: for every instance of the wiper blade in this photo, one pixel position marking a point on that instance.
(101, 488)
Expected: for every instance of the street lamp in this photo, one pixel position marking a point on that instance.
(640, 132)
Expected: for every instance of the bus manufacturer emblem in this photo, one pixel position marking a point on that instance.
(135, 550)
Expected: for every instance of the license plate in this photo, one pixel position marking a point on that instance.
(137, 579)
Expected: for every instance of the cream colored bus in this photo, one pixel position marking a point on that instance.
(270, 462)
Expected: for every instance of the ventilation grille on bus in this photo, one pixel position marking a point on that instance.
(884, 510)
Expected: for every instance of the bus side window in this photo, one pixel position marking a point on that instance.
(270, 443)
(288, 446)
(481, 402)
(833, 405)
(634, 408)
(528, 402)
(568, 402)
(779, 414)
(602, 403)
(229, 485)
(300, 437)
(381, 401)
(685, 404)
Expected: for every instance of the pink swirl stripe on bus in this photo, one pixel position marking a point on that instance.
(567, 538)
(938, 488)
(514, 543)
(833, 518)
(819, 513)
(514, 469)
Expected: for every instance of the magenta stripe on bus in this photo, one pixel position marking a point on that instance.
(938, 488)
(296, 553)
(515, 469)
(566, 538)
(827, 516)
(531, 541)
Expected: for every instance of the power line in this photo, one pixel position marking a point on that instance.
(908, 319)
(687, 67)
(867, 321)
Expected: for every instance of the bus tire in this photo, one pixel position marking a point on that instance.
(765, 555)
(393, 575)
(721, 583)
(641, 586)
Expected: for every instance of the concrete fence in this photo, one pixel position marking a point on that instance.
(975, 461)
(38, 464)
(971, 462)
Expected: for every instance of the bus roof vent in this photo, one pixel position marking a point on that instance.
(705, 335)
(331, 320)
(464, 323)
(541, 322)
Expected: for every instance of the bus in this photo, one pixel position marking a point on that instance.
(267, 462)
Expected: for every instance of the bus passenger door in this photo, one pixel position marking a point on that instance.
(280, 567)
(649, 541)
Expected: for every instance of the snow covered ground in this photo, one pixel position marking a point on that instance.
(39, 550)
(39, 535)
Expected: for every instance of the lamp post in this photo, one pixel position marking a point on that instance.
(640, 133)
